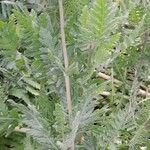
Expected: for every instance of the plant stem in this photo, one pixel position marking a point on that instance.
(64, 49)
(21, 130)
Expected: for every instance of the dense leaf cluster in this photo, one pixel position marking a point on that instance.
(110, 37)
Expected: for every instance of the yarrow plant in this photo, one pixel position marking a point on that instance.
(74, 74)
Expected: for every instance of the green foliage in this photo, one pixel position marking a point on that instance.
(108, 114)
(14, 142)
(98, 29)
(60, 123)
(36, 129)
(136, 15)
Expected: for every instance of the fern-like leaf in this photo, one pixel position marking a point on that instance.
(98, 25)
(34, 122)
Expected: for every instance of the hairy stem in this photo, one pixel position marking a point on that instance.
(64, 49)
